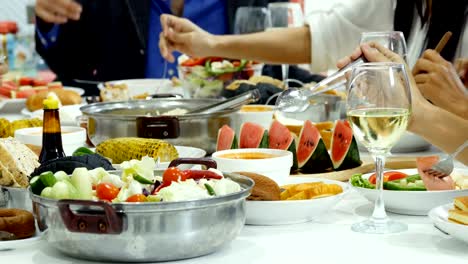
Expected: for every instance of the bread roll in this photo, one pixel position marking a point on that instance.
(66, 97)
(265, 189)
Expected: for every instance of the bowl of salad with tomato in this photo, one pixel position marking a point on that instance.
(207, 77)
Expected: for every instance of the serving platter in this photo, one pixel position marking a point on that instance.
(413, 202)
(20, 243)
(439, 216)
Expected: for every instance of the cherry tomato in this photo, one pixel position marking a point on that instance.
(173, 174)
(106, 191)
(388, 176)
(136, 198)
(236, 63)
(228, 76)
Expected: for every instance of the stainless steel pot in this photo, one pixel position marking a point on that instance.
(142, 118)
(12, 197)
(129, 232)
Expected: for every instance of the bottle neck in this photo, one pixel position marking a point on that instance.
(51, 121)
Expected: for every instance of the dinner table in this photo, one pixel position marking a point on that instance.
(327, 239)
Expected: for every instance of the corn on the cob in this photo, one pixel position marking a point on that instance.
(23, 123)
(128, 148)
(5, 128)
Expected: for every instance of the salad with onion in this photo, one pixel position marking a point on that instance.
(137, 183)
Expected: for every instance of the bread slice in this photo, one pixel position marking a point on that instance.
(265, 189)
(458, 216)
(461, 203)
(17, 162)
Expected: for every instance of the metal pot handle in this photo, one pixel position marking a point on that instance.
(107, 222)
(209, 163)
(158, 127)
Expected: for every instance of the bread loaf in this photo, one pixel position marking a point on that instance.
(66, 97)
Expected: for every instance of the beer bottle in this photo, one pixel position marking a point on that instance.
(51, 132)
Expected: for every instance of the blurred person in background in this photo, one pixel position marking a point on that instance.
(118, 39)
(330, 34)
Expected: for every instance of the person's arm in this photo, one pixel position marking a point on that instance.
(439, 82)
(272, 46)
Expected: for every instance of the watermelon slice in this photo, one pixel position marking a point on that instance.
(344, 149)
(312, 155)
(281, 138)
(226, 138)
(253, 136)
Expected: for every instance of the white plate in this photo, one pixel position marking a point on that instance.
(184, 152)
(150, 86)
(292, 212)
(439, 217)
(68, 114)
(413, 202)
(16, 105)
(19, 243)
(408, 142)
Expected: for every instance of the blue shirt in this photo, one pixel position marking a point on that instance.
(207, 14)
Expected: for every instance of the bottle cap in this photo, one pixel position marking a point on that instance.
(51, 102)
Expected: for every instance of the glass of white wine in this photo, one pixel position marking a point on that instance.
(392, 40)
(378, 108)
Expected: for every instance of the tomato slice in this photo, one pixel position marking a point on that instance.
(388, 176)
(39, 82)
(136, 198)
(173, 174)
(194, 62)
(26, 81)
(106, 191)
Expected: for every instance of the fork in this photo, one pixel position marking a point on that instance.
(444, 167)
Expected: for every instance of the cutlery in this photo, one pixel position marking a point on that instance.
(444, 167)
(234, 102)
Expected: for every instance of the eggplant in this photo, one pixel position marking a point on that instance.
(69, 164)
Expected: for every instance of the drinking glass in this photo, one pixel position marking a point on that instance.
(378, 109)
(285, 15)
(251, 19)
(392, 40)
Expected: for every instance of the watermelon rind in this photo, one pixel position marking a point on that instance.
(264, 143)
(319, 161)
(351, 160)
(235, 143)
(292, 149)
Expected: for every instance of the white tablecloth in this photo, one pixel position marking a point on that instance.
(327, 240)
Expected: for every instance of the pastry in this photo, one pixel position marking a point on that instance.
(66, 97)
(457, 216)
(461, 203)
(265, 189)
(17, 222)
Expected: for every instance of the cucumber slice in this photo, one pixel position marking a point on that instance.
(142, 179)
(36, 185)
(82, 181)
(61, 176)
(60, 191)
(48, 178)
(210, 189)
(47, 192)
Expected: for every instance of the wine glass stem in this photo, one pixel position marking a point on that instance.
(379, 207)
(285, 73)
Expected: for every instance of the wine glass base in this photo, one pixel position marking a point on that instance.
(372, 226)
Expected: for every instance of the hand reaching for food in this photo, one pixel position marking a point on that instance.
(433, 183)
(58, 11)
(179, 34)
(439, 83)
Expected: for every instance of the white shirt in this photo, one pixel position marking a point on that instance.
(337, 30)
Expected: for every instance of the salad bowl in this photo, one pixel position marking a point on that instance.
(412, 202)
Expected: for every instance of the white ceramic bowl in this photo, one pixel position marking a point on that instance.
(413, 202)
(68, 114)
(439, 217)
(277, 168)
(292, 212)
(258, 114)
(72, 137)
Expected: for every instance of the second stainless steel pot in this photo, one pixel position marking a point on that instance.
(143, 118)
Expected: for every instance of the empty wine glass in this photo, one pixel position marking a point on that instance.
(378, 109)
(251, 19)
(285, 15)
